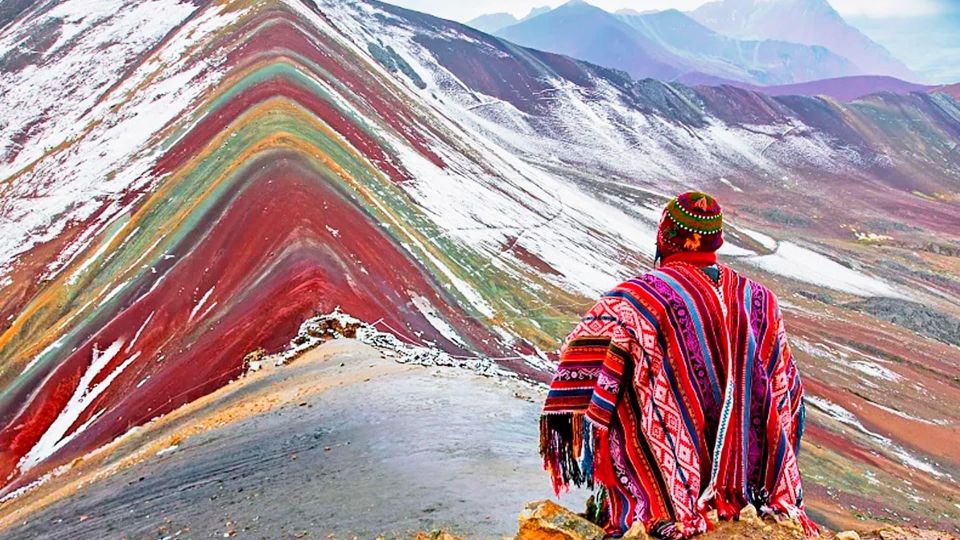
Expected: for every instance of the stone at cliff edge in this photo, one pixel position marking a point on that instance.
(637, 532)
(545, 520)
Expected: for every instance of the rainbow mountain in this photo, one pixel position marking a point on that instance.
(184, 183)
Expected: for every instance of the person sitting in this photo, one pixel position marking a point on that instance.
(677, 393)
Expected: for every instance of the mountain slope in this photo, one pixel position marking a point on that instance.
(255, 163)
(810, 22)
(842, 88)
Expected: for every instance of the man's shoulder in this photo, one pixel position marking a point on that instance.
(635, 286)
(641, 284)
(756, 288)
(635, 295)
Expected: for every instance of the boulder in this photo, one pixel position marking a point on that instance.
(546, 520)
(749, 513)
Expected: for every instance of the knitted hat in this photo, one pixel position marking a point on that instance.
(692, 222)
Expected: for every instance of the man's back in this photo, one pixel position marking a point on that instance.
(677, 394)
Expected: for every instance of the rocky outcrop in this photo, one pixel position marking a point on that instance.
(912, 316)
(545, 520)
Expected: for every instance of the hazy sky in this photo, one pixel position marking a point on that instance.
(463, 10)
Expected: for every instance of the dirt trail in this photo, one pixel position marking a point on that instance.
(342, 442)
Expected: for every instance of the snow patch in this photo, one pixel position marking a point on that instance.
(762, 239)
(875, 371)
(729, 183)
(203, 300)
(140, 331)
(168, 450)
(447, 331)
(55, 437)
(801, 264)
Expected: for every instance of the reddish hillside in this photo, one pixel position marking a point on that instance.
(952, 89)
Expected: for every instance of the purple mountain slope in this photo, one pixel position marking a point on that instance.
(811, 22)
(840, 88)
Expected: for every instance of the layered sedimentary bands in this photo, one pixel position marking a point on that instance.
(183, 184)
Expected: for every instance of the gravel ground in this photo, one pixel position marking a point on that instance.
(409, 448)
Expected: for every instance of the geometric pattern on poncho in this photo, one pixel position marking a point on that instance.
(676, 397)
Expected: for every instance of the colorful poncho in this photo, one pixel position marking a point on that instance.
(677, 395)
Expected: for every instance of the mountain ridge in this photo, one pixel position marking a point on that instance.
(766, 61)
(494, 22)
(594, 35)
(842, 88)
(809, 22)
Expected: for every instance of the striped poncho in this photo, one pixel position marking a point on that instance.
(678, 395)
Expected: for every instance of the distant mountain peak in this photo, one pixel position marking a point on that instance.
(492, 22)
(668, 45)
(629, 12)
(536, 12)
(809, 22)
(581, 5)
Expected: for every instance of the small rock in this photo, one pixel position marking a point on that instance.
(847, 535)
(546, 520)
(748, 513)
(435, 535)
(637, 532)
(794, 526)
(892, 533)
